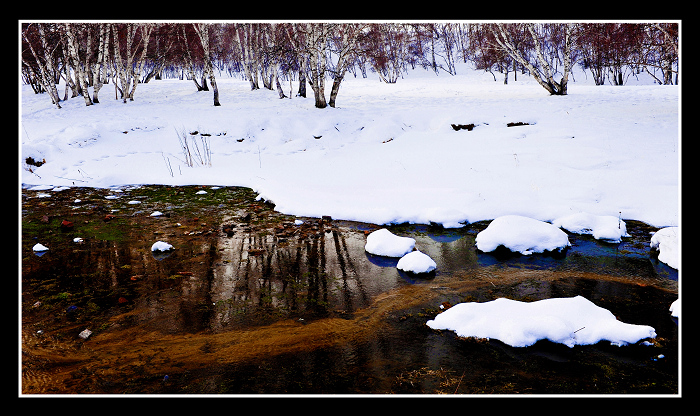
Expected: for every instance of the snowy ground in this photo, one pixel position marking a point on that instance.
(388, 152)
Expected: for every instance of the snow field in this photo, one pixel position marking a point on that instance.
(387, 154)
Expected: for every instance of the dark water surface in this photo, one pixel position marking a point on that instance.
(249, 303)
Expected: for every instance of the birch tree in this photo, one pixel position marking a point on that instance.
(189, 60)
(202, 30)
(99, 67)
(128, 62)
(78, 68)
(387, 47)
(275, 51)
(295, 38)
(315, 36)
(246, 43)
(346, 43)
(161, 54)
(146, 30)
(43, 61)
(539, 64)
(659, 50)
(119, 71)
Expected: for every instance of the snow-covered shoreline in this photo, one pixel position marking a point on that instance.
(387, 154)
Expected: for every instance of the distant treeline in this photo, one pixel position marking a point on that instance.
(92, 54)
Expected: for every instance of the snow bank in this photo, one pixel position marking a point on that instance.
(601, 227)
(384, 243)
(161, 246)
(666, 242)
(569, 321)
(416, 262)
(521, 234)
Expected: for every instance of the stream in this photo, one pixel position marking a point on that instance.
(250, 302)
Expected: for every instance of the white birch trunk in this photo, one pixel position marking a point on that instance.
(67, 74)
(554, 86)
(99, 65)
(120, 72)
(275, 73)
(202, 30)
(46, 68)
(77, 67)
(188, 61)
(316, 47)
(349, 41)
(147, 29)
(244, 45)
(543, 76)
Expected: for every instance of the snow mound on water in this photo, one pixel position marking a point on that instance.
(384, 243)
(39, 247)
(521, 234)
(675, 308)
(161, 246)
(601, 227)
(416, 262)
(666, 242)
(569, 321)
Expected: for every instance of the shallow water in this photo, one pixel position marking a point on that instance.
(266, 306)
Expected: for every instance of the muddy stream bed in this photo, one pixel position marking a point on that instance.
(249, 302)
